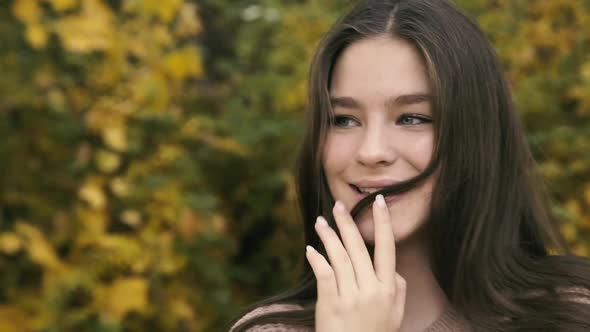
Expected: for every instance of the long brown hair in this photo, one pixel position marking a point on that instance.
(496, 251)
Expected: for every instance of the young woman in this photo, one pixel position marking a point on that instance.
(411, 124)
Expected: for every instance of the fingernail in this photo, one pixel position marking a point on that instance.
(340, 206)
(321, 221)
(380, 201)
(309, 248)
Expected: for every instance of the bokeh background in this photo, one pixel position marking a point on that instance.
(147, 149)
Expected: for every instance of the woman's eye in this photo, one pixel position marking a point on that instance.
(412, 120)
(343, 121)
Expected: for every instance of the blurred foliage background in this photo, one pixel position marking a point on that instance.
(146, 149)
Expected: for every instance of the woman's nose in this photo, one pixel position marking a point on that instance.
(376, 148)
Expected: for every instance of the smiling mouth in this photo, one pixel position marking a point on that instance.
(357, 189)
(362, 194)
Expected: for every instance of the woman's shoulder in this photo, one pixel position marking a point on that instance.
(270, 327)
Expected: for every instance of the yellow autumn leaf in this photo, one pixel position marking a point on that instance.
(107, 161)
(28, 11)
(581, 249)
(182, 309)
(10, 243)
(134, 36)
(569, 231)
(165, 10)
(550, 169)
(584, 223)
(91, 30)
(183, 63)
(188, 23)
(292, 97)
(226, 144)
(93, 194)
(39, 249)
(168, 262)
(573, 208)
(193, 127)
(36, 35)
(151, 89)
(169, 152)
(585, 70)
(122, 296)
(123, 247)
(154, 90)
(160, 34)
(94, 223)
(56, 99)
(101, 115)
(115, 137)
(120, 187)
(131, 217)
(13, 319)
(63, 5)
(140, 265)
(587, 194)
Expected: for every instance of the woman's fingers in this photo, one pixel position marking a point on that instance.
(355, 246)
(400, 295)
(350, 267)
(353, 296)
(326, 280)
(339, 258)
(384, 242)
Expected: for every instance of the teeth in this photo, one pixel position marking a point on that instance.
(369, 190)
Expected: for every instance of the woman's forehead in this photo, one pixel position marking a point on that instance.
(381, 68)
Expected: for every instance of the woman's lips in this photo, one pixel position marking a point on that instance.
(389, 200)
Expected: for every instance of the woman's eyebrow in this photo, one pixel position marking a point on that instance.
(391, 102)
(345, 102)
(409, 99)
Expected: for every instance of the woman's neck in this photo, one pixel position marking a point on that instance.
(425, 300)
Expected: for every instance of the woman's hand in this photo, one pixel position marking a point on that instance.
(352, 296)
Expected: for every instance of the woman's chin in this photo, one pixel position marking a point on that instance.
(366, 229)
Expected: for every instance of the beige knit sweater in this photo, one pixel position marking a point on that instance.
(449, 321)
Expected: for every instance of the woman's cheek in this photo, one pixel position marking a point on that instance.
(339, 151)
(424, 147)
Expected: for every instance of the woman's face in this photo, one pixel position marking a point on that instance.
(382, 131)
